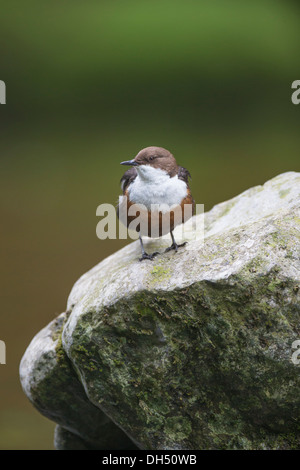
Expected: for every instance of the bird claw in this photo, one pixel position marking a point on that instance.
(175, 247)
(147, 256)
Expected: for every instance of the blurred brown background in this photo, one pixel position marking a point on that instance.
(88, 85)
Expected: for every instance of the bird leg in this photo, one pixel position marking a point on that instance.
(144, 254)
(174, 245)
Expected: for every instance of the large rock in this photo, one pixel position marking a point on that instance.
(192, 350)
(49, 381)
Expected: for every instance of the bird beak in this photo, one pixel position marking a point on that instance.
(130, 163)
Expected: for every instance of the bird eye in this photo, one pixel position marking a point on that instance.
(151, 158)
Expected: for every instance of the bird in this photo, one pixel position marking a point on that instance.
(159, 188)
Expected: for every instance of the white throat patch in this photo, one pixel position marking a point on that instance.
(154, 186)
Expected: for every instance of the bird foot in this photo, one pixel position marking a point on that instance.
(146, 256)
(175, 247)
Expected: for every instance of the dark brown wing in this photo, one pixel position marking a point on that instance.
(128, 177)
(184, 174)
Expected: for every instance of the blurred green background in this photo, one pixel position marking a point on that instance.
(88, 85)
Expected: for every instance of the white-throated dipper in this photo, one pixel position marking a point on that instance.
(159, 188)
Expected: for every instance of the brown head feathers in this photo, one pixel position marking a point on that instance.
(157, 157)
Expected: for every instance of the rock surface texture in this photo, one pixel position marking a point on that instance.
(192, 350)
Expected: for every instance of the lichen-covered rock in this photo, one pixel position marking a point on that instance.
(193, 350)
(50, 383)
